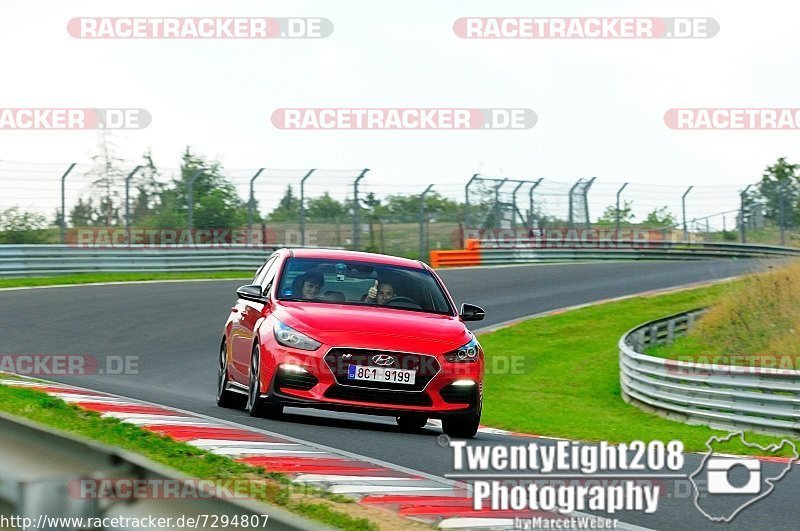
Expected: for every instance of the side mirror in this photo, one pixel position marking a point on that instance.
(470, 312)
(251, 293)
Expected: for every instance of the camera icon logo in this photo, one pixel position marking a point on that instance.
(719, 472)
(725, 485)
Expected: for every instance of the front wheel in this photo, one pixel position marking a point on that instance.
(257, 406)
(462, 426)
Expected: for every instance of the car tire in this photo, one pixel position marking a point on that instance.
(411, 422)
(257, 406)
(226, 397)
(462, 426)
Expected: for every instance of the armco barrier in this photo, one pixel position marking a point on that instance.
(723, 396)
(493, 252)
(40, 465)
(29, 260)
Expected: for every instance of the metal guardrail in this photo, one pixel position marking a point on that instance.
(41, 466)
(722, 396)
(494, 252)
(30, 260)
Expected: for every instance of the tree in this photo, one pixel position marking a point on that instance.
(215, 203)
(108, 178)
(20, 226)
(780, 184)
(660, 217)
(148, 189)
(324, 208)
(83, 214)
(288, 208)
(609, 216)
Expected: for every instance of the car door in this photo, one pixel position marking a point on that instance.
(240, 338)
(250, 314)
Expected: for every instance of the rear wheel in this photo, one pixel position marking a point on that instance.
(257, 406)
(226, 397)
(411, 422)
(462, 426)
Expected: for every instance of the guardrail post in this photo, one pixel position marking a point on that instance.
(128, 199)
(683, 209)
(619, 193)
(423, 244)
(64, 202)
(190, 202)
(303, 207)
(357, 212)
(251, 205)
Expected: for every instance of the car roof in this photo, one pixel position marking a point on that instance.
(340, 254)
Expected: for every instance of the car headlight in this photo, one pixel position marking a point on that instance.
(289, 337)
(466, 354)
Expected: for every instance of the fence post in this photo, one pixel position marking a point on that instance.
(514, 200)
(619, 193)
(303, 207)
(569, 199)
(128, 200)
(743, 205)
(190, 201)
(251, 205)
(585, 193)
(466, 202)
(357, 212)
(782, 207)
(530, 199)
(64, 202)
(683, 209)
(422, 243)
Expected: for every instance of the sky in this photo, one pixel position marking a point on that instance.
(600, 103)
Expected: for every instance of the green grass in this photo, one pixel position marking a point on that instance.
(568, 384)
(86, 278)
(264, 485)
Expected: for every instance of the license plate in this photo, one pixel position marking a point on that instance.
(381, 374)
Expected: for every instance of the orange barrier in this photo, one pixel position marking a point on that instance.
(455, 258)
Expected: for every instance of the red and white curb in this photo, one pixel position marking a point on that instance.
(408, 493)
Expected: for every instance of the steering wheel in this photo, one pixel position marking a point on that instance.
(404, 302)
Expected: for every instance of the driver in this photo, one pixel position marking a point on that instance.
(308, 285)
(380, 293)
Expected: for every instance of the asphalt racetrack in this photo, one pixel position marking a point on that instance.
(174, 328)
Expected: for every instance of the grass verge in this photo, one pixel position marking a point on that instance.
(331, 509)
(87, 278)
(757, 324)
(568, 384)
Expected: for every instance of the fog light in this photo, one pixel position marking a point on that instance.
(463, 383)
(295, 369)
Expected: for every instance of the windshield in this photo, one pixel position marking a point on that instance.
(363, 284)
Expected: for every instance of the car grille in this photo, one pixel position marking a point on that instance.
(399, 398)
(338, 359)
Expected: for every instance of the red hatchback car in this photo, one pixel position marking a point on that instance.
(352, 331)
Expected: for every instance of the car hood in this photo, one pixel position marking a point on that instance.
(377, 328)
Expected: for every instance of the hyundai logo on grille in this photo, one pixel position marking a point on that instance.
(382, 360)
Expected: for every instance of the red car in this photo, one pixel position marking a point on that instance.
(352, 331)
